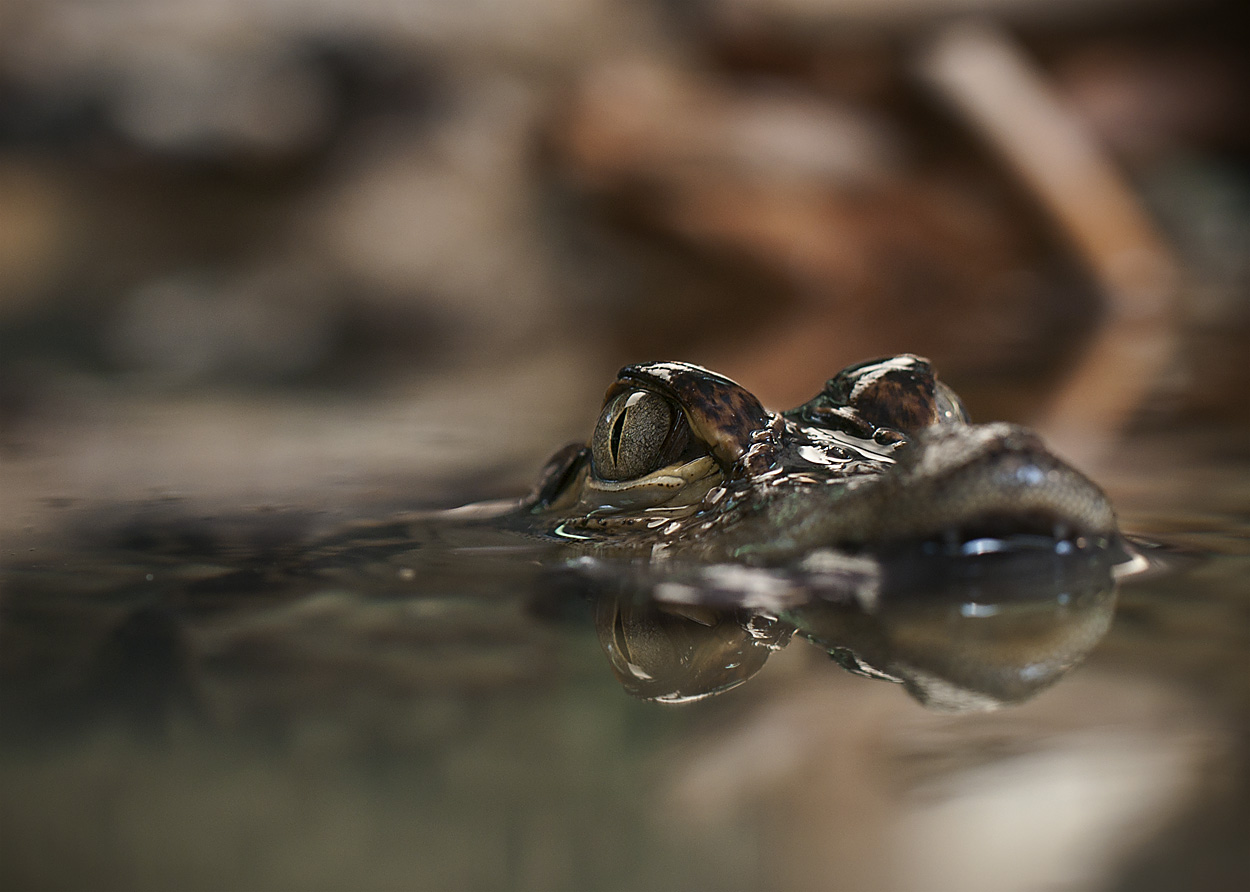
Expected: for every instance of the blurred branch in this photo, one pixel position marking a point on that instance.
(984, 75)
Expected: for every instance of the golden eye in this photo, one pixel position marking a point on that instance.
(629, 440)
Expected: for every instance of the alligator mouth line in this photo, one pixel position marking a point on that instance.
(992, 490)
(997, 532)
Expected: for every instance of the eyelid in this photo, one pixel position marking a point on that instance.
(720, 414)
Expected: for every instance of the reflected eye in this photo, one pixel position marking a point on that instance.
(633, 436)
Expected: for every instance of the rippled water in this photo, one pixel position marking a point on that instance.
(207, 703)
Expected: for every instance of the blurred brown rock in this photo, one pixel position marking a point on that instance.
(870, 247)
(35, 228)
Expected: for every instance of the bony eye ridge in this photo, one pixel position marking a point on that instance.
(639, 431)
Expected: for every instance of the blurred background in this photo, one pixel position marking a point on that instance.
(343, 256)
(253, 250)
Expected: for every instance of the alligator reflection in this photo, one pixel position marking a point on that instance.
(346, 636)
(969, 632)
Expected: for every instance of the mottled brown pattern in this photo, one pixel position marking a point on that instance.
(721, 413)
(895, 393)
(883, 454)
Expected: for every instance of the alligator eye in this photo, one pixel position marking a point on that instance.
(630, 438)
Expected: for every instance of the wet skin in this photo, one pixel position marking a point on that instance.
(686, 463)
(859, 522)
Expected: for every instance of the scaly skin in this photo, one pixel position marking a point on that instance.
(882, 457)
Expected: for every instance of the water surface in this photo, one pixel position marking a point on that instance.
(209, 702)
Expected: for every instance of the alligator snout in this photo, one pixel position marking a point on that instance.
(952, 485)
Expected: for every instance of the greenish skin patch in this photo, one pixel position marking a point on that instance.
(883, 457)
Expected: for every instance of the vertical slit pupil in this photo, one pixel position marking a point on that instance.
(617, 427)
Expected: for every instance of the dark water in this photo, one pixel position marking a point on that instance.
(202, 705)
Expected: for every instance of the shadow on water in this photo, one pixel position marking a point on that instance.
(958, 633)
(421, 605)
(402, 688)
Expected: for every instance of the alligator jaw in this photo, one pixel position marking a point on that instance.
(953, 484)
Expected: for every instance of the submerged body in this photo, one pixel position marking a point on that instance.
(874, 521)
(963, 561)
(686, 463)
